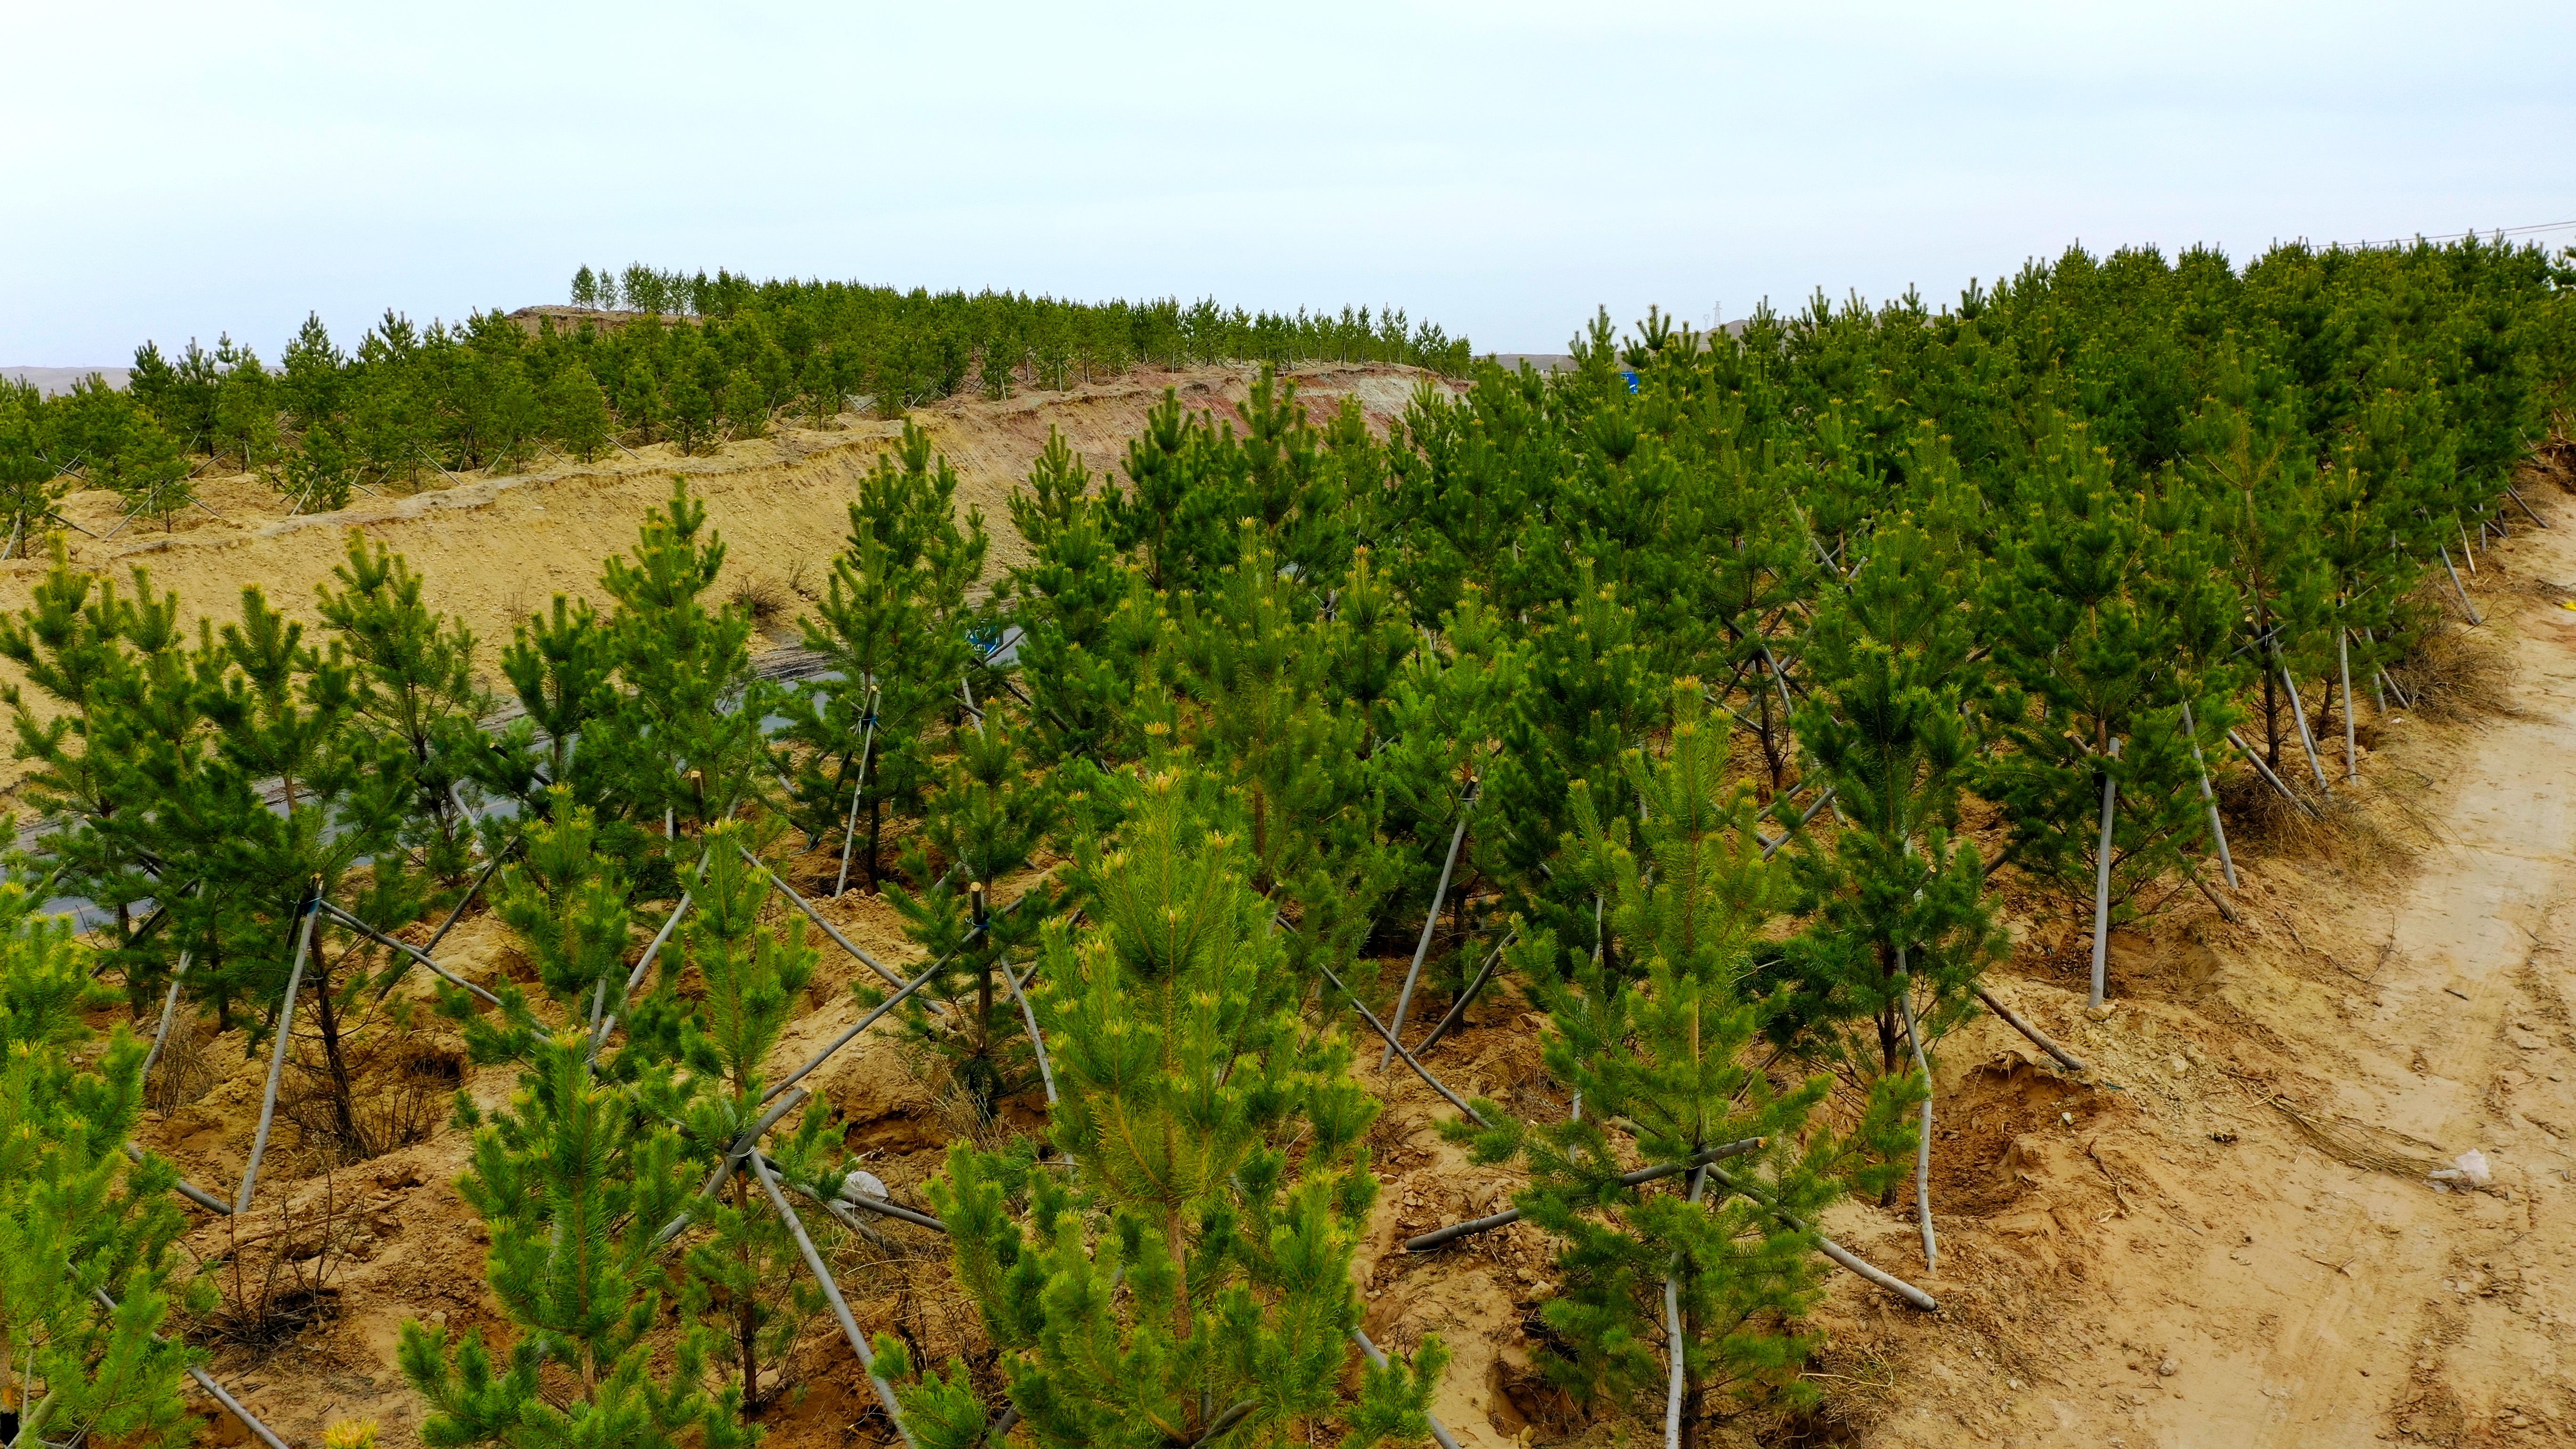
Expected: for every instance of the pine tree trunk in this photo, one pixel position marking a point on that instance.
(2271, 725)
(876, 825)
(747, 1314)
(327, 1013)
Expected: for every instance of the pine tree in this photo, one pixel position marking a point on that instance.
(415, 688)
(691, 703)
(77, 1219)
(986, 822)
(1653, 1029)
(895, 619)
(572, 1181)
(30, 485)
(1893, 897)
(577, 413)
(320, 473)
(585, 288)
(2101, 630)
(144, 464)
(1195, 1273)
(560, 667)
(245, 404)
(747, 1277)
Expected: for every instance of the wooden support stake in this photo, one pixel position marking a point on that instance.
(882, 1007)
(1430, 919)
(1028, 1014)
(1450, 1234)
(1677, 1353)
(1458, 1008)
(407, 953)
(2037, 1037)
(307, 909)
(2525, 507)
(169, 1007)
(2208, 799)
(206, 1381)
(187, 1189)
(850, 831)
(2299, 714)
(1388, 1037)
(1836, 1251)
(884, 972)
(2102, 881)
(2462, 589)
(2264, 770)
(832, 1292)
(2343, 667)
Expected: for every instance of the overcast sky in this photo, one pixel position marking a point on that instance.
(1497, 167)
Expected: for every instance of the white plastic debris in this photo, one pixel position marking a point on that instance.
(2469, 1169)
(868, 1183)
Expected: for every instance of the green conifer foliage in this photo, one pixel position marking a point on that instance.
(2102, 629)
(1893, 898)
(30, 485)
(577, 413)
(1195, 1272)
(572, 1181)
(690, 703)
(746, 1277)
(1655, 1029)
(896, 619)
(77, 1218)
(986, 822)
(415, 689)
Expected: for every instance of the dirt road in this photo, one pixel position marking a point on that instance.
(2243, 1247)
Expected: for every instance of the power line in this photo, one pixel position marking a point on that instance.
(2499, 233)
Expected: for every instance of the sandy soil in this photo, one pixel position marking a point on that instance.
(2237, 1245)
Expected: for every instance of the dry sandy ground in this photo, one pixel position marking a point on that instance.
(2237, 1246)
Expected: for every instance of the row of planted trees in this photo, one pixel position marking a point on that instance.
(1655, 693)
(410, 403)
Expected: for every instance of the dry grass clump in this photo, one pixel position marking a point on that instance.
(2457, 675)
(763, 597)
(185, 1070)
(276, 1283)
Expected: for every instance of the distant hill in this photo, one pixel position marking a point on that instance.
(53, 380)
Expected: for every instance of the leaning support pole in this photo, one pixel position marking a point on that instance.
(2264, 770)
(743, 1146)
(307, 909)
(1450, 1234)
(1028, 1014)
(1923, 1138)
(1837, 1251)
(1439, 1435)
(869, 1020)
(2299, 714)
(408, 953)
(2037, 1037)
(454, 915)
(1458, 1008)
(2209, 800)
(2525, 507)
(2461, 588)
(2343, 668)
(169, 1007)
(1393, 1049)
(883, 971)
(206, 1381)
(832, 1292)
(2102, 881)
(189, 1190)
(1430, 919)
(1770, 847)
